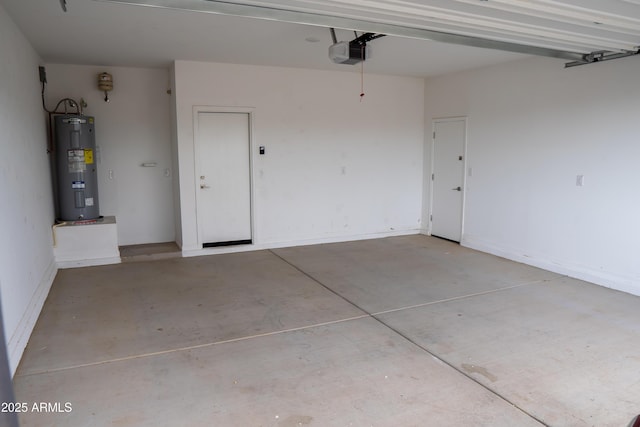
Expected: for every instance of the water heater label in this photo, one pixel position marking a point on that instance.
(88, 201)
(88, 156)
(77, 184)
(76, 161)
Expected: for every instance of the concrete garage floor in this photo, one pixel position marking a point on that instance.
(403, 331)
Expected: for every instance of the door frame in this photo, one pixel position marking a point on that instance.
(250, 111)
(464, 169)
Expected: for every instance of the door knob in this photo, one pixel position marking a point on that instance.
(457, 189)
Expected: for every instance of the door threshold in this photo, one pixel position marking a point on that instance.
(228, 243)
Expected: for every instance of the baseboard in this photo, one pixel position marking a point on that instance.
(89, 262)
(602, 278)
(291, 243)
(18, 341)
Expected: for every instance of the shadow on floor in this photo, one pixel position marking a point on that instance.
(149, 252)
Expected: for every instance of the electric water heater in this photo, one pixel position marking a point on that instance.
(76, 168)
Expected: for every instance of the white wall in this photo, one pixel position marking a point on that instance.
(533, 127)
(174, 160)
(131, 129)
(27, 266)
(335, 168)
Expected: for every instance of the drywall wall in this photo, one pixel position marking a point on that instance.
(335, 167)
(27, 266)
(131, 129)
(533, 127)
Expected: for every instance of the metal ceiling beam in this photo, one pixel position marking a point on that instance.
(594, 57)
(326, 20)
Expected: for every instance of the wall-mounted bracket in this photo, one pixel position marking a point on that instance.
(600, 56)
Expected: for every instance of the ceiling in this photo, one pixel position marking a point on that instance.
(110, 33)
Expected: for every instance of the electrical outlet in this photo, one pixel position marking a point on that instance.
(43, 74)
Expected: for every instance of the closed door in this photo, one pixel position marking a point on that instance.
(223, 179)
(448, 178)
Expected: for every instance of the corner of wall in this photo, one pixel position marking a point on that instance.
(175, 156)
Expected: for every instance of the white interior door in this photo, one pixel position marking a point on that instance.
(448, 178)
(223, 178)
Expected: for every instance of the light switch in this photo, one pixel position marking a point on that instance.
(580, 180)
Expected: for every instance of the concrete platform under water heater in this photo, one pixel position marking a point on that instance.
(86, 243)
